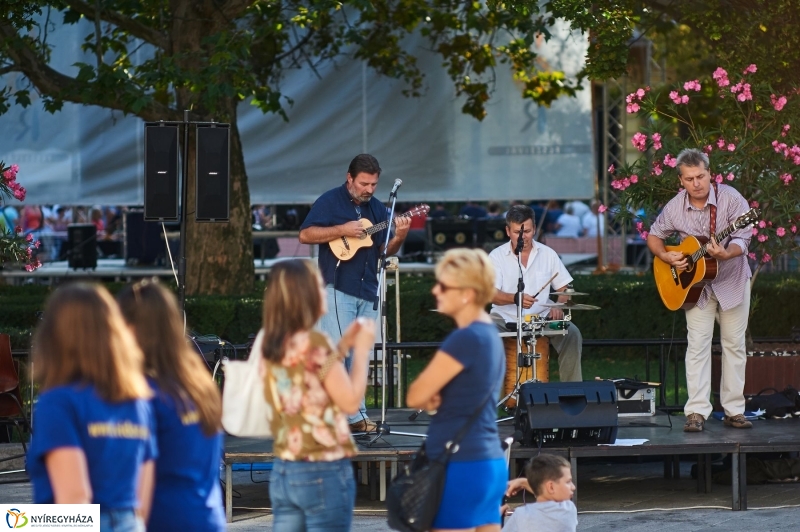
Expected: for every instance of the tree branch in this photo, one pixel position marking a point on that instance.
(233, 9)
(50, 82)
(132, 26)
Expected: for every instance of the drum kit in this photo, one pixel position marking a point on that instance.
(533, 350)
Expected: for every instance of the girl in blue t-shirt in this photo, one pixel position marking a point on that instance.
(188, 414)
(467, 369)
(93, 440)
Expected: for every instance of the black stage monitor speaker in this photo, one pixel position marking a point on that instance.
(82, 246)
(444, 233)
(559, 414)
(160, 172)
(213, 173)
(495, 231)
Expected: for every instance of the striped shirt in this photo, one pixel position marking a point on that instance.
(680, 216)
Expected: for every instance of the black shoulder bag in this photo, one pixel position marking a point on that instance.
(415, 494)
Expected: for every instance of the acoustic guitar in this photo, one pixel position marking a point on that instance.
(681, 289)
(345, 248)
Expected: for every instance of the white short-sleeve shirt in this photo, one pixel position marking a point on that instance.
(543, 262)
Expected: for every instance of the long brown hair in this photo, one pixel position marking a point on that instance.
(152, 311)
(83, 339)
(292, 303)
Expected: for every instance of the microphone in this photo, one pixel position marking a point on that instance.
(397, 183)
(520, 243)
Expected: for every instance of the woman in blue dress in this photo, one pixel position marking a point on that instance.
(93, 440)
(188, 414)
(467, 368)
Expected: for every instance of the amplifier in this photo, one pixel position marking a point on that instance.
(641, 403)
(567, 413)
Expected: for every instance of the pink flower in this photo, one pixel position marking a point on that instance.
(9, 176)
(17, 229)
(639, 141)
(632, 108)
(670, 161)
(691, 85)
(14, 169)
(626, 183)
(656, 141)
(720, 143)
(684, 99)
(718, 178)
(602, 208)
(640, 92)
(752, 255)
(777, 102)
(793, 229)
(766, 257)
(755, 231)
(37, 244)
(708, 149)
(745, 94)
(611, 169)
(731, 147)
(29, 252)
(657, 168)
(634, 179)
(730, 176)
(29, 267)
(780, 231)
(721, 77)
(19, 193)
(754, 204)
(786, 178)
(644, 234)
(736, 88)
(750, 69)
(29, 237)
(762, 238)
(762, 224)
(675, 97)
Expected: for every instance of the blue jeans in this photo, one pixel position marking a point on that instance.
(341, 313)
(120, 520)
(312, 495)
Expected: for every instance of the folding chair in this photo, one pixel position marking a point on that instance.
(11, 410)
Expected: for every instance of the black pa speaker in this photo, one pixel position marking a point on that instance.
(160, 172)
(82, 246)
(213, 173)
(444, 234)
(560, 414)
(495, 231)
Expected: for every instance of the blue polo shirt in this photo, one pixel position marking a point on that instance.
(358, 276)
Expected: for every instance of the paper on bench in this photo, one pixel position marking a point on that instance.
(626, 443)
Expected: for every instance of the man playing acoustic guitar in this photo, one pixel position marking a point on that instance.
(698, 210)
(352, 283)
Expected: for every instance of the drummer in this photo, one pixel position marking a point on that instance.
(539, 263)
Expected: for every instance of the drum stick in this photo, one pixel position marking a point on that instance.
(545, 285)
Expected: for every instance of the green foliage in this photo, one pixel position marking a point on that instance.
(753, 147)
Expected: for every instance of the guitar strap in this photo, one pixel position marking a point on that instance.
(713, 211)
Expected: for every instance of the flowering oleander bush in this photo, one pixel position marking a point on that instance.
(14, 246)
(750, 134)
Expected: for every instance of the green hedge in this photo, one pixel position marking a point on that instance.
(630, 309)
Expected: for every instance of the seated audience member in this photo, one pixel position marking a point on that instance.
(494, 210)
(549, 478)
(187, 410)
(554, 210)
(472, 210)
(593, 220)
(439, 212)
(95, 438)
(579, 208)
(568, 225)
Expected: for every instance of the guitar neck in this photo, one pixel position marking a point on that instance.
(383, 225)
(722, 235)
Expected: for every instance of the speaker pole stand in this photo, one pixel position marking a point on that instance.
(184, 194)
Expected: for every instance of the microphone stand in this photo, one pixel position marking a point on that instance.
(383, 428)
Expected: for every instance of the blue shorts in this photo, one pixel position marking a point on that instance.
(473, 493)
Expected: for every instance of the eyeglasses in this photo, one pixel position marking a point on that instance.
(444, 288)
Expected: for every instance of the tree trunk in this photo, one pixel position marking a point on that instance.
(219, 256)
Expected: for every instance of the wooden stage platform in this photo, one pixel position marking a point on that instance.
(379, 461)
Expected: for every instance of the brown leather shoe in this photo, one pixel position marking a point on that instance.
(738, 422)
(365, 425)
(694, 423)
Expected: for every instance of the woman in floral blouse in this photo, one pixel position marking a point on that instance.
(312, 484)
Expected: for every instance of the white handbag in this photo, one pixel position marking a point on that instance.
(245, 412)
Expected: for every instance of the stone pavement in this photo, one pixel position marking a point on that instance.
(606, 492)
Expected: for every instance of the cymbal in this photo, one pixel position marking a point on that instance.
(568, 293)
(571, 306)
